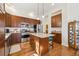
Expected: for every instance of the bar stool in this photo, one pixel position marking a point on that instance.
(50, 40)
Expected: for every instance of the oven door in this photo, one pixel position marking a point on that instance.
(24, 37)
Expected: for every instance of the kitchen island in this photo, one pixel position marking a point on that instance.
(39, 42)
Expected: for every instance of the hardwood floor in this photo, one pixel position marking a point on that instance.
(57, 50)
(26, 50)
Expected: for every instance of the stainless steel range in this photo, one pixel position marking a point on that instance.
(24, 32)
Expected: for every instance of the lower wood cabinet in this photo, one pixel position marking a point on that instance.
(32, 43)
(15, 38)
(2, 44)
(41, 45)
(57, 37)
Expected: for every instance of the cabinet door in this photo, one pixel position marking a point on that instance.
(53, 21)
(32, 21)
(2, 37)
(2, 24)
(56, 21)
(32, 42)
(37, 45)
(16, 21)
(57, 37)
(16, 38)
(13, 21)
(7, 20)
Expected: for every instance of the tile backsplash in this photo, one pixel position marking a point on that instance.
(13, 30)
(17, 30)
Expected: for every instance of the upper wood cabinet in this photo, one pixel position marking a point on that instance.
(15, 21)
(7, 20)
(2, 24)
(11, 20)
(56, 21)
(32, 21)
(2, 15)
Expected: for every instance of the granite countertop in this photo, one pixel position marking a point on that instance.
(41, 35)
(8, 34)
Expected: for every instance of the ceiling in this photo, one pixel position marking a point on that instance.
(31, 10)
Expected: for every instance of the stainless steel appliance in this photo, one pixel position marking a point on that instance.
(24, 32)
(40, 28)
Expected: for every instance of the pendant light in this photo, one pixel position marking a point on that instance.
(38, 11)
(43, 10)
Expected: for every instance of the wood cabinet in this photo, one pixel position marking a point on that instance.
(56, 21)
(32, 21)
(57, 37)
(1, 40)
(41, 45)
(15, 38)
(12, 21)
(2, 24)
(8, 21)
(2, 16)
(15, 21)
(32, 43)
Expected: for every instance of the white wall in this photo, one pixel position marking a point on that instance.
(73, 11)
(69, 13)
(64, 29)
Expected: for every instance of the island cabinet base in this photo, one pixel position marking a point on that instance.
(41, 45)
